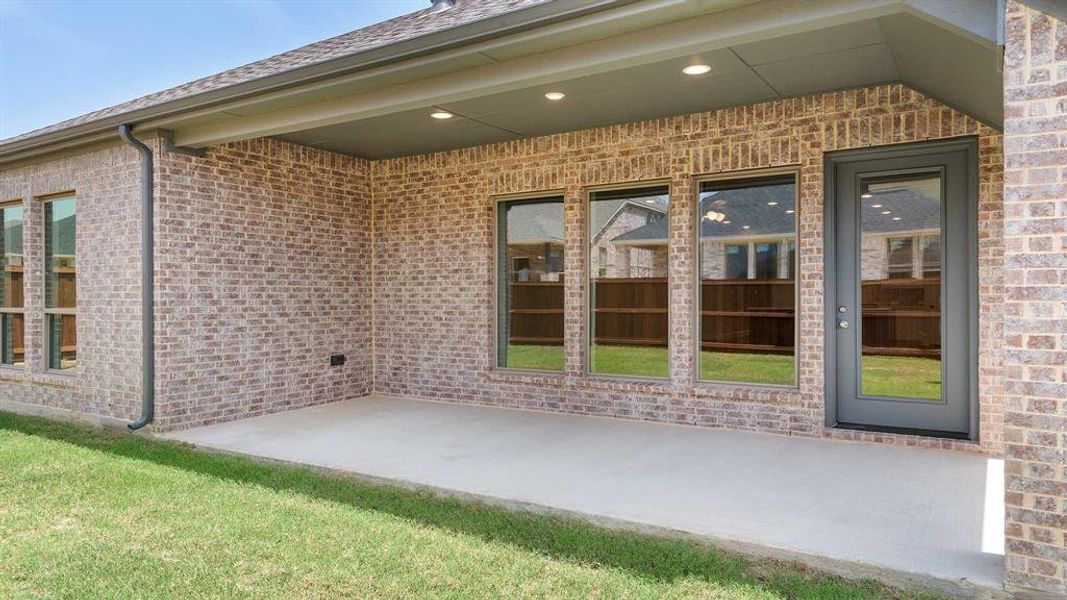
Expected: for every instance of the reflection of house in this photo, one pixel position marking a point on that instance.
(611, 221)
(749, 233)
(535, 241)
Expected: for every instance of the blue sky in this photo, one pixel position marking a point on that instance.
(62, 58)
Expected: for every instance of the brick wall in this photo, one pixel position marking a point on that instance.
(262, 272)
(1035, 326)
(434, 251)
(107, 382)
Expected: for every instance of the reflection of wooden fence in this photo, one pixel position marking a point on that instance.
(901, 317)
(537, 313)
(13, 297)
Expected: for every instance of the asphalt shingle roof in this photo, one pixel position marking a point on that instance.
(395, 30)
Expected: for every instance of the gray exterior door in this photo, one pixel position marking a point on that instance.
(902, 296)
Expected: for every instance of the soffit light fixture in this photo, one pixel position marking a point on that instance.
(696, 69)
(718, 217)
(555, 96)
(441, 114)
(790, 211)
(887, 212)
(866, 195)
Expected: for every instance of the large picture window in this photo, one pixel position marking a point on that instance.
(747, 263)
(12, 304)
(60, 284)
(529, 293)
(628, 233)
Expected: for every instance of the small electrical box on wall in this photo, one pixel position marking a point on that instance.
(337, 360)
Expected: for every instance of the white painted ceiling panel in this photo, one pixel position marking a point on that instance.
(822, 41)
(834, 70)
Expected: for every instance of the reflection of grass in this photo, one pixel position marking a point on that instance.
(748, 368)
(540, 358)
(653, 362)
(902, 376)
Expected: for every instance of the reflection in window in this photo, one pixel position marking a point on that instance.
(60, 283)
(628, 233)
(12, 305)
(747, 256)
(529, 292)
(901, 289)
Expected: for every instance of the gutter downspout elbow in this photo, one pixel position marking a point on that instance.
(148, 309)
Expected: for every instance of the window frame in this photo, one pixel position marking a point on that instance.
(800, 246)
(20, 203)
(46, 348)
(587, 274)
(494, 267)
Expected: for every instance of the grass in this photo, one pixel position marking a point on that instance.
(903, 376)
(91, 514)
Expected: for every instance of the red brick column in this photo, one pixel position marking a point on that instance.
(1035, 329)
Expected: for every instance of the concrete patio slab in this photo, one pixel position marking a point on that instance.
(914, 511)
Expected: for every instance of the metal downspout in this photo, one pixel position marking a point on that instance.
(148, 309)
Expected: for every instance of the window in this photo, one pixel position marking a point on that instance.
(529, 294)
(60, 284)
(747, 293)
(899, 258)
(12, 305)
(628, 233)
(737, 261)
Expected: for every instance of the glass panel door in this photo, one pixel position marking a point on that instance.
(904, 246)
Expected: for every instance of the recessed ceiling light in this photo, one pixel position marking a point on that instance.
(896, 218)
(441, 114)
(772, 204)
(696, 69)
(744, 227)
(555, 95)
(726, 222)
(887, 212)
(876, 206)
(790, 211)
(866, 195)
(650, 201)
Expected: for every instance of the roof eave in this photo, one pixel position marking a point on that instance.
(508, 23)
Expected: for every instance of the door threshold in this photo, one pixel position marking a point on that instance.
(951, 435)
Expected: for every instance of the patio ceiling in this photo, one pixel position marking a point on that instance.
(631, 70)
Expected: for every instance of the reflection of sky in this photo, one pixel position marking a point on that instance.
(12, 220)
(61, 209)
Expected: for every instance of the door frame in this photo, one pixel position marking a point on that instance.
(832, 160)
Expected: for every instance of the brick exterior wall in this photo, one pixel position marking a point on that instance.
(108, 380)
(262, 272)
(1035, 326)
(434, 256)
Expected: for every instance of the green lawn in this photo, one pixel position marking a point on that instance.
(903, 376)
(90, 514)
